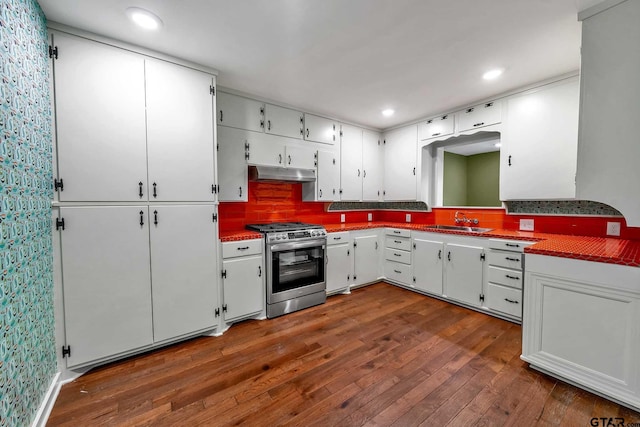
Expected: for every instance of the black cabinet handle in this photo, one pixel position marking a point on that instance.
(435, 134)
(376, 246)
(141, 218)
(289, 159)
(259, 271)
(449, 255)
(155, 190)
(398, 271)
(280, 158)
(307, 132)
(140, 189)
(511, 245)
(364, 173)
(243, 248)
(396, 254)
(414, 171)
(268, 124)
(511, 301)
(478, 124)
(396, 231)
(240, 191)
(358, 172)
(220, 115)
(509, 161)
(320, 192)
(439, 253)
(511, 277)
(512, 259)
(155, 217)
(337, 238)
(397, 241)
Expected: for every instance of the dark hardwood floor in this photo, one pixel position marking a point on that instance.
(381, 356)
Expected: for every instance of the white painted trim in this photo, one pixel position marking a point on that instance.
(600, 7)
(42, 416)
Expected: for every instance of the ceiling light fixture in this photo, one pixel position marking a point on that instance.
(143, 18)
(493, 74)
(388, 112)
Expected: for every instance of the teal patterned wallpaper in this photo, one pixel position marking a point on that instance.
(27, 346)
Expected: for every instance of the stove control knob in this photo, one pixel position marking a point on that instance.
(314, 233)
(283, 236)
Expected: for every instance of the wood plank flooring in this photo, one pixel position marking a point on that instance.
(382, 356)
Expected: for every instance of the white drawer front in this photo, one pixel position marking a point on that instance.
(337, 238)
(402, 243)
(505, 300)
(505, 259)
(398, 272)
(242, 248)
(398, 256)
(506, 277)
(398, 232)
(509, 245)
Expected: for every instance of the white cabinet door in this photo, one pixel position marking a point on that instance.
(319, 129)
(106, 281)
(183, 268)
(371, 166)
(180, 141)
(479, 116)
(338, 267)
(351, 163)
(232, 164)
(100, 120)
(300, 157)
(366, 262)
(239, 112)
(283, 121)
(539, 144)
(400, 152)
(328, 179)
(427, 265)
(266, 150)
(436, 127)
(243, 286)
(463, 273)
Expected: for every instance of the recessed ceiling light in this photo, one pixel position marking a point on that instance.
(388, 112)
(143, 18)
(493, 74)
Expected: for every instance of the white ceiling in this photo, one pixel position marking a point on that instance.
(350, 59)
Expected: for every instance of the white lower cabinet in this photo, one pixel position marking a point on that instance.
(111, 305)
(427, 263)
(243, 279)
(339, 262)
(582, 323)
(397, 256)
(367, 256)
(463, 273)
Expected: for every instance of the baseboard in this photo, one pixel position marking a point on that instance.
(48, 401)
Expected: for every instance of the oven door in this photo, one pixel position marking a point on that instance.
(295, 269)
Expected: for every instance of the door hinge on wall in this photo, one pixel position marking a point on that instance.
(66, 351)
(58, 185)
(53, 52)
(212, 90)
(59, 223)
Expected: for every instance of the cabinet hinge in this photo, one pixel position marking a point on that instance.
(341, 134)
(414, 279)
(482, 297)
(216, 312)
(224, 308)
(348, 252)
(212, 90)
(214, 217)
(59, 223)
(355, 244)
(217, 147)
(214, 190)
(384, 141)
(340, 191)
(354, 277)
(223, 274)
(66, 351)
(482, 256)
(378, 142)
(414, 246)
(58, 185)
(53, 52)
(348, 277)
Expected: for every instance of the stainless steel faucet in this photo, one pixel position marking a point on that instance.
(464, 219)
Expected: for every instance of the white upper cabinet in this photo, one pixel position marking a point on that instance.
(319, 129)
(436, 127)
(300, 157)
(283, 121)
(101, 145)
(180, 141)
(265, 150)
(539, 143)
(328, 176)
(608, 154)
(240, 112)
(233, 149)
(351, 163)
(400, 152)
(479, 116)
(371, 166)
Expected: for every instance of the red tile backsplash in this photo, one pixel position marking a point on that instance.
(271, 202)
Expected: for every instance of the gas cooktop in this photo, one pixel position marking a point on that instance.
(282, 226)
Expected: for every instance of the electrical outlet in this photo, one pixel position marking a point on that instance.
(613, 228)
(342, 217)
(369, 216)
(408, 217)
(526, 225)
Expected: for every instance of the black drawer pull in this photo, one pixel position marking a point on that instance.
(337, 238)
(511, 245)
(397, 241)
(397, 271)
(511, 301)
(396, 254)
(243, 248)
(259, 271)
(435, 134)
(439, 253)
(478, 124)
(396, 232)
(511, 277)
(512, 259)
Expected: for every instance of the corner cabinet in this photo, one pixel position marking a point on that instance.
(243, 279)
(400, 164)
(582, 323)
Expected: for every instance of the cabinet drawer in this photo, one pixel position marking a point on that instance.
(479, 116)
(242, 248)
(402, 243)
(505, 277)
(398, 232)
(509, 245)
(505, 300)
(436, 127)
(505, 259)
(337, 238)
(398, 272)
(398, 256)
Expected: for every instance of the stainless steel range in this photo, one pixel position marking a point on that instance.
(295, 265)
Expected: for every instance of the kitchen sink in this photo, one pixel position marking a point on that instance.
(460, 228)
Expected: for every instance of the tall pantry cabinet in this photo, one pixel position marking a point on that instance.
(136, 199)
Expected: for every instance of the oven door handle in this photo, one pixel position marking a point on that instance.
(279, 247)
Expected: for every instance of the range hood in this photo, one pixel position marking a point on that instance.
(279, 174)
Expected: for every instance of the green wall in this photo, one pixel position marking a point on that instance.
(27, 328)
(471, 180)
